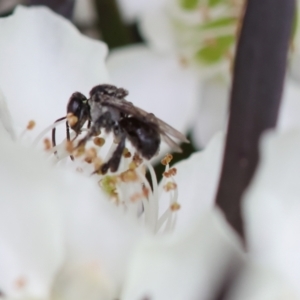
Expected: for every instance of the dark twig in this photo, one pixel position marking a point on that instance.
(62, 7)
(259, 71)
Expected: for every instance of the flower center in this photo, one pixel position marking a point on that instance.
(128, 188)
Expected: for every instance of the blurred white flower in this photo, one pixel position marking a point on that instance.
(272, 207)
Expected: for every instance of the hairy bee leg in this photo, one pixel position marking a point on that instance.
(54, 131)
(94, 128)
(114, 162)
(92, 131)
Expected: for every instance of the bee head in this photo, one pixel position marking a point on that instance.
(76, 102)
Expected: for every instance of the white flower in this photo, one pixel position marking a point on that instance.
(60, 238)
(52, 221)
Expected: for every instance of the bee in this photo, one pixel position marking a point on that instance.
(108, 109)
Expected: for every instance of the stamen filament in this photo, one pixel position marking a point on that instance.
(43, 133)
(164, 217)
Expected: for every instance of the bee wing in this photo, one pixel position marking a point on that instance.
(169, 130)
(165, 129)
(171, 143)
(124, 106)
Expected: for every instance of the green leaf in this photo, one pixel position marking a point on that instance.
(218, 23)
(215, 52)
(189, 4)
(212, 3)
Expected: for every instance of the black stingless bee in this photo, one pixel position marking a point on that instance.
(107, 109)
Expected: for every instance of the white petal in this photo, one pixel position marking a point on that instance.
(45, 210)
(31, 228)
(82, 282)
(197, 179)
(258, 283)
(272, 206)
(213, 110)
(5, 117)
(43, 60)
(100, 238)
(156, 83)
(186, 266)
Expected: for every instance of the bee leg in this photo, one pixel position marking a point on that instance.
(68, 136)
(94, 129)
(91, 132)
(114, 161)
(53, 133)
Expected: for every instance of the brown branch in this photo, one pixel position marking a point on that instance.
(259, 72)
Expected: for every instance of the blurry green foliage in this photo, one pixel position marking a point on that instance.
(215, 51)
(224, 21)
(189, 4)
(212, 3)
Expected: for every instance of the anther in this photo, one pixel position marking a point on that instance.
(137, 159)
(90, 155)
(171, 172)
(79, 151)
(72, 120)
(97, 161)
(126, 153)
(69, 146)
(47, 144)
(31, 124)
(167, 159)
(129, 176)
(175, 206)
(136, 197)
(99, 141)
(170, 186)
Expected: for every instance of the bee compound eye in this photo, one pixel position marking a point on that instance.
(76, 100)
